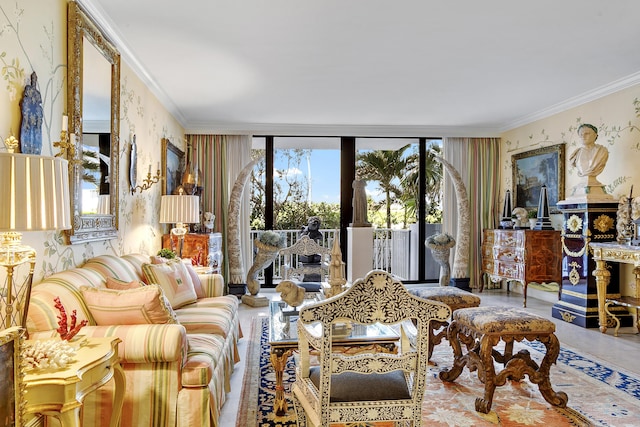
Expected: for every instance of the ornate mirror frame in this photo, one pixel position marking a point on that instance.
(81, 28)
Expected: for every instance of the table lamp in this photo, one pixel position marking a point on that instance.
(179, 210)
(34, 195)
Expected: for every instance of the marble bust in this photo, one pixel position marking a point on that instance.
(589, 160)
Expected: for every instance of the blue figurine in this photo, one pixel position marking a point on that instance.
(31, 126)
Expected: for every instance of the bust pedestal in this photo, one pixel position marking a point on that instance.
(585, 222)
(360, 255)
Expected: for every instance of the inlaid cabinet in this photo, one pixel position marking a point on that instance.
(523, 256)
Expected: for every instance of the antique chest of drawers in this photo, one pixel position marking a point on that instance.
(522, 255)
(208, 246)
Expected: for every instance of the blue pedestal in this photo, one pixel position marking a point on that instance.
(461, 283)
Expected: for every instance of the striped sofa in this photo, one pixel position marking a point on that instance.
(177, 373)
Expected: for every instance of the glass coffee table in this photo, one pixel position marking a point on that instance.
(283, 339)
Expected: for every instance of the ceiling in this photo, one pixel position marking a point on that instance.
(373, 67)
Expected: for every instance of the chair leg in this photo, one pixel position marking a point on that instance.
(300, 414)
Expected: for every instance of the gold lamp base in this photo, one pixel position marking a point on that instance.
(14, 297)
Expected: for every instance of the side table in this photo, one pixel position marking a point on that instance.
(60, 392)
(609, 298)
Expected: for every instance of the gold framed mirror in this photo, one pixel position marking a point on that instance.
(93, 105)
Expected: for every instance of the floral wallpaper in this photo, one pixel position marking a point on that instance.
(617, 117)
(33, 37)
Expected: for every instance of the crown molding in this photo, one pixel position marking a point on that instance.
(576, 101)
(291, 129)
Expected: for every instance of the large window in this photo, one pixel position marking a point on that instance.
(300, 177)
(305, 182)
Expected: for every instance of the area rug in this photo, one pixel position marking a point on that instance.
(599, 395)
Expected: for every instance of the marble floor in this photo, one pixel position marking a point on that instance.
(621, 351)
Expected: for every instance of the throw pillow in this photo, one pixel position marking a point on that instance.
(143, 305)
(121, 285)
(197, 286)
(174, 280)
(157, 259)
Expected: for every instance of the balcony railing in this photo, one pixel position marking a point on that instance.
(394, 251)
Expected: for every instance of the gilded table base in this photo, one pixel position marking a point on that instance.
(611, 252)
(279, 357)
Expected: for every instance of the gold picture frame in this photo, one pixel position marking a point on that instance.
(172, 166)
(533, 169)
(11, 372)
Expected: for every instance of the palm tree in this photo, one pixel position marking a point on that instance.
(386, 168)
(432, 178)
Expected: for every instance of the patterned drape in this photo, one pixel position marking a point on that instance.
(220, 158)
(478, 161)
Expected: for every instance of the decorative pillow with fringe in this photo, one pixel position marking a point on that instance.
(142, 305)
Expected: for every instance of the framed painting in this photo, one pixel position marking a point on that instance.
(11, 401)
(535, 168)
(172, 164)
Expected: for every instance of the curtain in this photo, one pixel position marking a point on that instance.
(238, 156)
(477, 160)
(219, 159)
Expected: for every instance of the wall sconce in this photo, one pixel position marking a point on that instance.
(67, 143)
(133, 167)
(147, 182)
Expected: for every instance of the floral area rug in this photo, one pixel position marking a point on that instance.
(599, 395)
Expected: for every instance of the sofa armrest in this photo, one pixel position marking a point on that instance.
(212, 284)
(145, 343)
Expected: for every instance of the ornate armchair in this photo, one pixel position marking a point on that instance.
(371, 385)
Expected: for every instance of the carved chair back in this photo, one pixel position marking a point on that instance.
(305, 247)
(388, 385)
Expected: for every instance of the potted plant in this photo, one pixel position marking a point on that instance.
(533, 218)
(166, 253)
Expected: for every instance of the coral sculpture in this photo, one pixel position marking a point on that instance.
(43, 354)
(67, 331)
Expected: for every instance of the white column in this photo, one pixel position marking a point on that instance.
(360, 252)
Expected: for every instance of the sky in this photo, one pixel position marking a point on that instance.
(324, 172)
(325, 163)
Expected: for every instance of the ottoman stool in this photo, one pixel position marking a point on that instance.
(453, 297)
(481, 328)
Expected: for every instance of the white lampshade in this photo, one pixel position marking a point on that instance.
(176, 209)
(34, 196)
(34, 193)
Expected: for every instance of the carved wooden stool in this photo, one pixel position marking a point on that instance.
(481, 328)
(453, 297)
